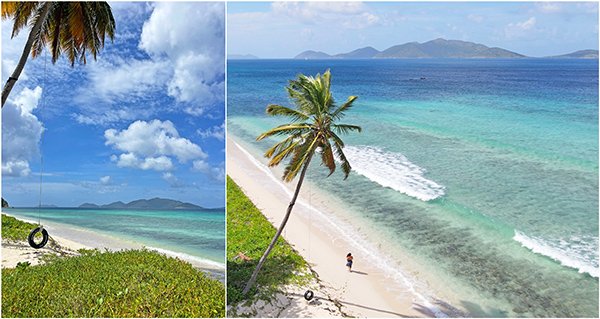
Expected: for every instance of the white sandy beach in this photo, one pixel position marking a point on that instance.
(71, 239)
(14, 252)
(367, 291)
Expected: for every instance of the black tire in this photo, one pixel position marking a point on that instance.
(308, 295)
(31, 238)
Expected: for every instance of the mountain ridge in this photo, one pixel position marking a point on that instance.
(437, 48)
(580, 54)
(151, 204)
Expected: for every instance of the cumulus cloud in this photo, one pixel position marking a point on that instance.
(215, 172)
(172, 180)
(184, 61)
(526, 25)
(105, 180)
(21, 132)
(194, 43)
(113, 81)
(519, 29)
(151, 145)
(11, 51)
(217, 131)
(103, 185)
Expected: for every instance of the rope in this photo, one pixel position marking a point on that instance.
(309, 220)
(41, 139)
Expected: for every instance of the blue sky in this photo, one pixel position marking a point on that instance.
(284, 29)
(145, 120)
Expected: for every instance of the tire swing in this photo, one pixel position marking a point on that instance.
(31, 237)
(40, 229)
(308, 295)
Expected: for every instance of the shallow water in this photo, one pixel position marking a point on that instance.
(486, 171)
(185, 233)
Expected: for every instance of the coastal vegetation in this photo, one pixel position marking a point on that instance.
(129, 283)
(248, 232)
(72, 28)
(314, 128)
(15, 229)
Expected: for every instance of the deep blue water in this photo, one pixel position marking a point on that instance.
(485, 171)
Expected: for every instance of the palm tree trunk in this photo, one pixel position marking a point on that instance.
(279, 230)
(32, 34)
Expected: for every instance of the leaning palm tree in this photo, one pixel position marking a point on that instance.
(314, 129)
(72, 28)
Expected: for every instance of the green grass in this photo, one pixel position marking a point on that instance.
(133, 283)
(15, 229)
(249, 232)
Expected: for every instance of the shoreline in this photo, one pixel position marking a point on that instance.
(391, 291)
(74, 238)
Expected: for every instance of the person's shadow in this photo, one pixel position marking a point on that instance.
(359, 272)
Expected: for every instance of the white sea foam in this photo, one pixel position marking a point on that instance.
(393, 170)
(576, 252)
(194, 260)
(366, 248)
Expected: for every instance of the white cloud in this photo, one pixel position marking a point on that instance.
(526, 25)
(11, 50)
(194, 43)
(172, 180)
(549, 7)
(8, 67)
(184, 61)
(350, 15)
(105, 180)
(160, 163)
(21, 132)
(125, 79)
(150, 145)
(217, 131)
(102, 186)
(520, 29)
(215, 172)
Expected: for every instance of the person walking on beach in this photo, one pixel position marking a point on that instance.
(349, 259)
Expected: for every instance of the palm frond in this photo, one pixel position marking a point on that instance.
(284, 153)
(339, 145)
(301, 154)
(9, 8)
(339, 112)
(327, 157)
(279, 110)
(313, 103)
(345, 128)
(278, 147)
(23, 14)
(289, 129)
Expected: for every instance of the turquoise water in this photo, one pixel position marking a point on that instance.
(199, 234)
(484, 171)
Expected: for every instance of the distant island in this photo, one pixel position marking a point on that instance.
(241, 57)
(438, 48)
(151, 204)
(581, 54)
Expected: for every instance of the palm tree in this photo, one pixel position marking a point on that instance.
(72, 28)
(313, 129)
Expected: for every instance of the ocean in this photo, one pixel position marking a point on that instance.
(483, 171)
(195, 236)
